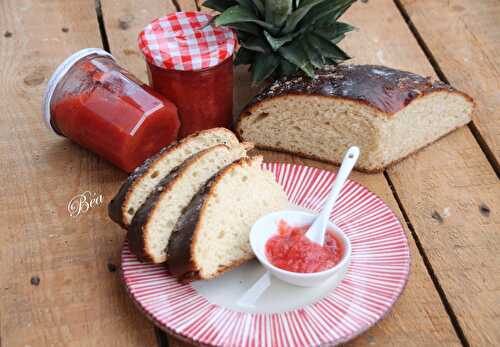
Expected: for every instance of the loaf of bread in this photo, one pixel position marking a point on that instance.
(388, 113)
(150, 229)
(212, 236)
(144, 179)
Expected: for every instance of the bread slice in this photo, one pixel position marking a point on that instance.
(150, 229)
(212, 236)
(388, 113)
(144, 179)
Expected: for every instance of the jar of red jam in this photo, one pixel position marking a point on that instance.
(190, 62)
(91, 100)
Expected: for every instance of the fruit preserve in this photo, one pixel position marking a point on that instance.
(190, 62)
(291, 250)
(102, 107)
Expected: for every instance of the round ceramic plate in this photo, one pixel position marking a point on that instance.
(207, 312)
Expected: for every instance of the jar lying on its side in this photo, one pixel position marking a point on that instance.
(94, 102)
(190, 62)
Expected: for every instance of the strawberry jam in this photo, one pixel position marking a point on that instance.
(105, 109)
(291, 250)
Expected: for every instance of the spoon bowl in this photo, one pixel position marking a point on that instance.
(267, 226)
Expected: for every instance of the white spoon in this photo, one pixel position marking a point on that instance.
(316, 231)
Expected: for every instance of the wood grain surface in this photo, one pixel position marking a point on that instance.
(124, 20)
(448, 191)
(463, 36)
(78, 300)
(449, 180)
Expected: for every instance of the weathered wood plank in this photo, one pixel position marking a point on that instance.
(124, 19)
(190, 5)
(451, 177)
(463, 36)
(78, 301)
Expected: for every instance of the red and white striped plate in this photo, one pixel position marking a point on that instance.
(376, 277)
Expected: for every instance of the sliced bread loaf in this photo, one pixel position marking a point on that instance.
(143, 180)
(388, 113)
(212, 236)
(150, 229)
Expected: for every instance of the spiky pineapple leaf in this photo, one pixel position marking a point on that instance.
(314, 56)
(219, 5)
(297, 15)
(331, 10)
(339, 12)
(277, 11)
(277, 42)
(239, 14)
(260, 6)
(257, 44)
(286, 68)
(342, 28)
(334, 32)
(244, 56)
(243, 36)
(250, 28)
(326, 47)
(263, 67)
(279, 37)
(337, 38)
(248, 4)
(295, 54)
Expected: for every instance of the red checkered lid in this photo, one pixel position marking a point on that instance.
(184, 41)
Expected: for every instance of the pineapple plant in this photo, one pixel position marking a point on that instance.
(281, 37)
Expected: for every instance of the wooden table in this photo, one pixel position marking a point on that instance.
(447, 195)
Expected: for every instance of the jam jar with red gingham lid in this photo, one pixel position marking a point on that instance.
(190, 62)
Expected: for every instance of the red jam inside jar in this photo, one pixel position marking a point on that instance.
(105, 109)
(190, 62)
(291, 250)
(204, 98)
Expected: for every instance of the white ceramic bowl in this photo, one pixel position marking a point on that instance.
(267, 226)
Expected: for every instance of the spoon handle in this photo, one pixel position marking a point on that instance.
(348, 162)
(350, 158)
(250, 297)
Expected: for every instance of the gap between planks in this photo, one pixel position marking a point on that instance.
(487, 151)
(102, 27)
(161, 336)
(442, 295)
(176, 4)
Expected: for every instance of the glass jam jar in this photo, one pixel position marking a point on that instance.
(190, 62)
(97, 104)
